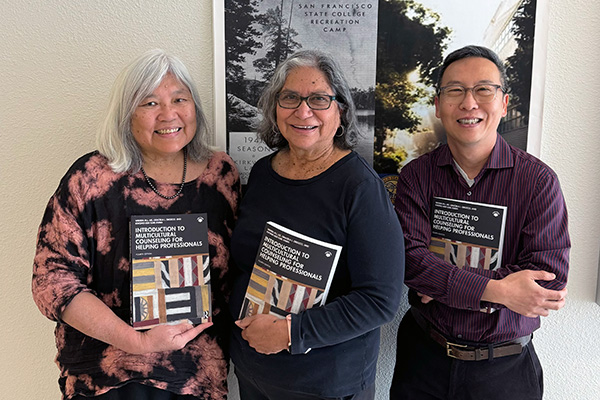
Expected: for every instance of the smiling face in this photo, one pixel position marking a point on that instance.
(468, 123)
(306, 130)
(165, 122)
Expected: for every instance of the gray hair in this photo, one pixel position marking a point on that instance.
(135, 82)
(267, 129)
(475, 51)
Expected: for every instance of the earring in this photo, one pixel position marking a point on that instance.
(343, 131)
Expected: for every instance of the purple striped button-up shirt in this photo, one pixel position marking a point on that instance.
(536, 237)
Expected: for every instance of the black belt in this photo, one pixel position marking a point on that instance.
(472, 352)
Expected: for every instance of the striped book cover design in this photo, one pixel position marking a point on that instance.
(269, 293)
(171, 289)
(464, 254)
(468, 234)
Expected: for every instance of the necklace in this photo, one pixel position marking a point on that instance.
(182, 179)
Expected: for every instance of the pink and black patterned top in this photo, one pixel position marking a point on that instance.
(83, 246)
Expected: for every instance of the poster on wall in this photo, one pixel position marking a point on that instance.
(261, 34)
(390, 51)
(407, 70)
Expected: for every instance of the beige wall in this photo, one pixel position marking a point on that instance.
(58, 59)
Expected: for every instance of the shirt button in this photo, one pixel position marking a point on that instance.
(468, 193)
(459, 336)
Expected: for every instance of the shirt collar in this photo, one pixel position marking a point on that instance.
(501, 156)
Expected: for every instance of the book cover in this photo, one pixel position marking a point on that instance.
(170, 274)
(468, 234)
(292, 273)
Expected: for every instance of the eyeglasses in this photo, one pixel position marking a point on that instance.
(455, 94)
(291, 100)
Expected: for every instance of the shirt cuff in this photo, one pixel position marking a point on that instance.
(466, 290)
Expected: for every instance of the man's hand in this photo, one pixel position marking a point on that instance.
(424, 298)
(521, 293)
(265, 333)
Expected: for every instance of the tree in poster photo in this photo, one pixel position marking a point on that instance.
(410, 39)
(240, 40)
(519, 65)
(247, 31)
(279, 37)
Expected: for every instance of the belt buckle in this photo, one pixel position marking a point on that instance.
(450, 350)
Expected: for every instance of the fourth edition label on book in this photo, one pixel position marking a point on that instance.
(292, 272)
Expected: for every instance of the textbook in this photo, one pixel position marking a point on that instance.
(468, 234)
(170, 274)
(292, 272)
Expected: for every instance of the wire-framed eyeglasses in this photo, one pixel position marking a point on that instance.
(455, 94)
(291, 100)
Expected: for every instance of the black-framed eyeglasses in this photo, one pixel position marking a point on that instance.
(483, 93)
(291, 100)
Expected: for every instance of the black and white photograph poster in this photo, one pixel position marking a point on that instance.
(261, 34)
(390, 51)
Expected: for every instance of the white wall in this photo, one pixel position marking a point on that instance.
(58, 59)
(568, 341)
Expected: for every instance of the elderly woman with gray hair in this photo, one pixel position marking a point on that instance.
(315, 184)
(153, 158)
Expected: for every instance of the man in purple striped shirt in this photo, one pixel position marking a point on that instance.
(447, 347)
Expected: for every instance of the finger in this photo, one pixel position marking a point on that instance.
(555, 295)
(200, 328)
(555, 305)
(543, 276)
(426, 299)
(242, 323)
(194, 331)
(182, 327)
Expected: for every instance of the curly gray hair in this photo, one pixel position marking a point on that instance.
(267, 129)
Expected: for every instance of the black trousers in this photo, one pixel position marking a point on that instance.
(424, 372)
(252, 390)
(136, 391)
